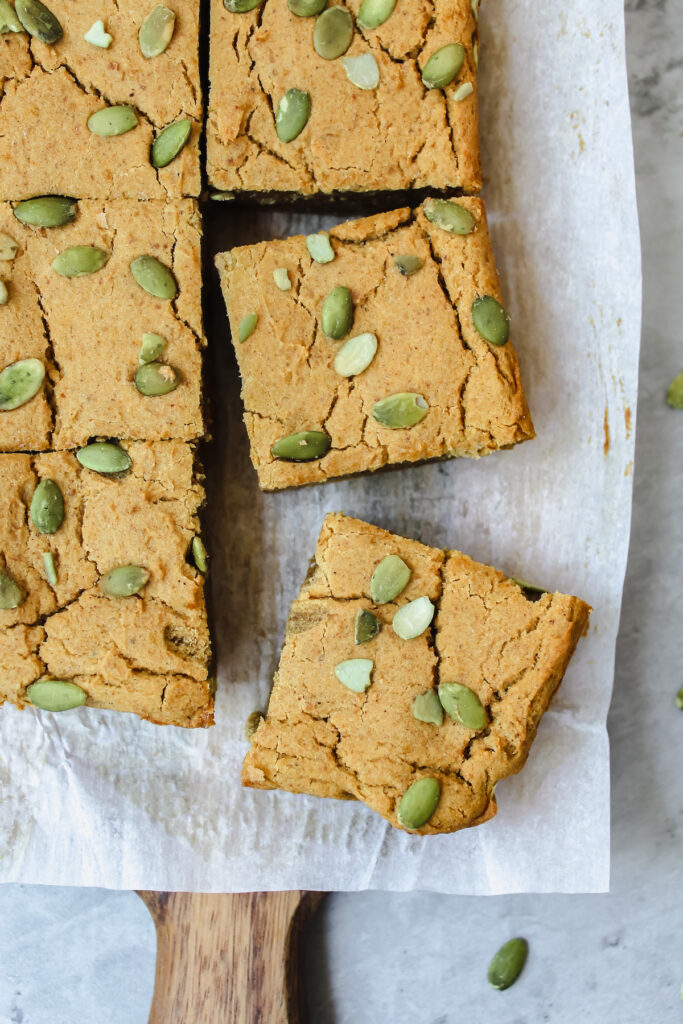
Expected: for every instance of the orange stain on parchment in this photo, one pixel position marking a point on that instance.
(605, 446)
(627, 421)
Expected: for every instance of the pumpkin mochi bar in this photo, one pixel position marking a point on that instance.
(507, 646)
(148, 653)
(468, 392)
(49, 92)
(398, 135)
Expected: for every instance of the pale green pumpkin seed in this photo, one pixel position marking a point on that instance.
(252, 723)
(355, 355)
(418, 803)
(679, 699)
(4, 294)
(154, 276)
(490, 320)
(413, 618)
(450, 216)
(19, 382)
(463, 706)
(156, 31)
(110, 121)
(389, 579)
(355, 674)
(47, 506)
(443, 66)
(408, 264)
(46, 211)
(474, 4)
(427, 708)
(333, 33)
(49, 567)
(170, 141)
(303, 446)
(156, 379)
(98, 36)
(56, 695)
(241, 6)
(247, 326)
(38, 21)
(200, 555)
(8, 18)
(336, 318)
(374, 13)
(306, 8)
(222, 197)
(524, 585)
(281, 278)
(292, 114)
(508, 964)
(8, 247)
(366, 626)
(399, 411)
(105, 458)
(675, 393)
(463, 91)
(319, 247)
(362, 71)
(79, 260)
(152, 347)
(475, 54)
(124, 581)
(11, 594)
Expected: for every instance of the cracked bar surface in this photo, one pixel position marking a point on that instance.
(395, 137)
(148, 654)
(427, 345)
(322, 739)
(47, 94)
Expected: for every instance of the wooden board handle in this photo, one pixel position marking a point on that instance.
(229, 959)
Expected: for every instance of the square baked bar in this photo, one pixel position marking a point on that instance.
(379, 355)
(341, 101)
(411, 678)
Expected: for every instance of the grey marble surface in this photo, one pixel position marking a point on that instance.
(87, 956)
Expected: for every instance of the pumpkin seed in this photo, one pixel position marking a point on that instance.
(247, 326)
(252, 723)
(418, 803)
(105, 458)
(292, 114)
(281, 278)
(154, 276)
(450, 216)
(8, 18)
(362, 71)
(156, 31)
(8, 247)
(413, 618)
(98, 36)
(4, 294)
(56, 695)
(11, 594)
(508, 963)
(474, 4)
(124, 581)
(49, 567)
(490, 320)
(679, 699)
(79, 260)
(408, 264)
(374, 13)
(222, 197)
(38, 21)
(443, 66)
(47, 506)
(463, 706)
(170, 141)
(19, 382)
(475, 54)
(303, 446)
(366, 626)
(306, 8)
(333, 33)
(531, 587)
(463, 91)
(355, 355)
(402, 410)
(241, 6)
(427, 708)
(319, 247)
(337, 313)
(110, 121)
(199, 554)
(675, 393)
(156, 379)
(355, 674)
(152, 347)
(46, 211)
(389, 579)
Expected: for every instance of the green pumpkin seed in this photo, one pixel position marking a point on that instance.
(200, 555)
(408, 264)
(389, 579)
(155, 379)
(362, 71)
(105, 458)
(337, 313)
(170, 141)
(152, 347)
(56, 695)
(4, 294)
(374, 13)
(463, 706)
(124, 581)
(333, 33)
(679, 699)
(490, 320)
(98, 36)
(475, 54)
(675, 393)
(508, 963)
(474, 4)
(463, 91)
(11, 594)
(8, 18)
(319, 247)
(241, 6)
(402, 410)
(450, 216)
(8, 247)
(531, 587)
(19, 382)
(110, 121)
(49, 567)
(306, 8)
(46, 211)
(355, 355)
(304, 446)
(427, 708)
(156, 31)
(366, 626)
(47, 507)
(155, 277)
(281, 278)
(247, 326)
(252, 723)
(292, 114)
(413, 618)
(38, 21)
(355, 674)
(443, 66)
(418, 803)
(79, 260)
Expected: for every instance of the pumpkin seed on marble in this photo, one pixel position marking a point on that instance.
(56, 695)
(247, 326)
(490, 320)
(413, 618)
(8, 247)
(200, 555)
(170, 141)
(20, 382)
(281, 278)
(124, 581)
(463, 91)
(675, 393)
(333, 33)
(319, 247)
(306, 8)
(105, 458)
(303, 446)
(418, 803)
(98, 36)
(362, 71)
(374, 13)
(400, 411)
(39, 21)
(389, 579)
(252, 723)
(336, 318)
(450, 216)
(293, 112)
(11, 594)
(8, 18)
(4, 294)
(155, 277)
(443, 66)
(355, 674)
(408, 264)
(155, 379)
(49, 567)
(355, 355)
(47, 506)
(46, 211)
(508, 963)
(427, 708)
(111, 121)
(241, 6)
(79, 261)
(152, 347)
(463, 706)
(366, 627)
(156, 31)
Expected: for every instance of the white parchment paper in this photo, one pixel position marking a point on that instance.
(94, 798)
